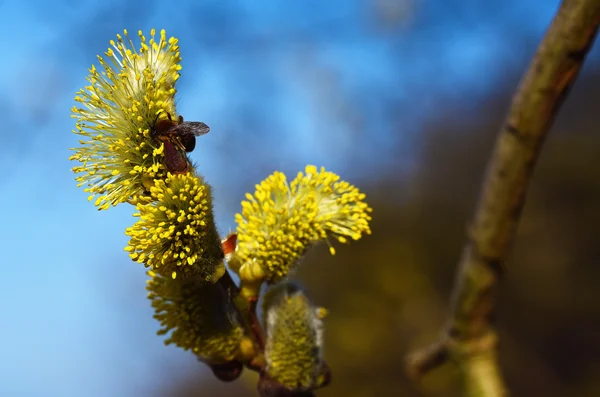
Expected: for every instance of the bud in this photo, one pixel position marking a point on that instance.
(294, 340)
(267, 387)
(227, 372)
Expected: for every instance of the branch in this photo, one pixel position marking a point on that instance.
(469, 336)
(245, 307)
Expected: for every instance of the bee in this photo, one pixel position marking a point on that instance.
(178, 138)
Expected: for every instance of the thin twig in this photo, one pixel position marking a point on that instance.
(246, 307)
(469, 336)
(255, 323)
(229, 285)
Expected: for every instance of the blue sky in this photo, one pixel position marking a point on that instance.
(281, 84)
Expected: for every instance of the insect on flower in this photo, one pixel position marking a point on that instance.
(178, 138)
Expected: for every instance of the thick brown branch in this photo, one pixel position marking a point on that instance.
(470, 336)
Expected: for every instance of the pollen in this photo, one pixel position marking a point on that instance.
(116, 113)
(176, 232)
(198, 315)
(281, 220)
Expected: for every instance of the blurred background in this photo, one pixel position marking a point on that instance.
(401, 97)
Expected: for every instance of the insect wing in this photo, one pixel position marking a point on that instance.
(188, 131)
(195, 128)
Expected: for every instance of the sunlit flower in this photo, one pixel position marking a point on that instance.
(294, 339)
(176, 230)
(199, 317)
(280, 221)
(123, 101)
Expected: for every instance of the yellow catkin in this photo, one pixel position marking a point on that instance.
(126, 94)
(196, 316)
(176, 231)
(281, 220)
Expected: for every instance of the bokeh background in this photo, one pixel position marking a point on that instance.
(401, 97)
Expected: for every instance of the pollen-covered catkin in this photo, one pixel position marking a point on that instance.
(280, 221)
(125, 97)
(199, 317)
(176, 231)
